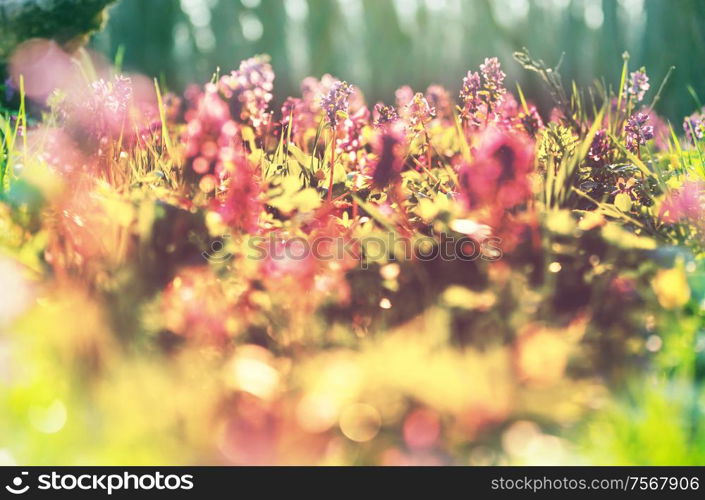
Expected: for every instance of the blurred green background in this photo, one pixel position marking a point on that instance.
(382, 44)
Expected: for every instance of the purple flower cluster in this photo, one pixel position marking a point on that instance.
(302, 113)
(439, 99)
(694, 127)
(493, 76)
(531, 122)
(470, 94)
(112, 96)
(637, 85)
(349, 134)
(106, 108)
(384, 114)
(418, 111)
(249, 90)
(482, 92)
(336, 101)
(638, 131)
(598, 154)
(403, 96)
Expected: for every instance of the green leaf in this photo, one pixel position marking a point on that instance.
(623, 202)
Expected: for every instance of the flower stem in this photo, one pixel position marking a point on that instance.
(332, 168)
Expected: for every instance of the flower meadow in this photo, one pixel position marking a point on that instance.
(448, 277)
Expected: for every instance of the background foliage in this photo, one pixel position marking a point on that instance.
(381, 45)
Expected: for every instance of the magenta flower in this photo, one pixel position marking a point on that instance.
(498, 177)
(686, 203)
(240, 206)
(403, 96)
(295, 114)
(349, 137)
(389, 149)
(531, 122)
(210, 133)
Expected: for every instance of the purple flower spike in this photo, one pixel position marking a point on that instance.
(482, 93)
(637, 85)
(599, 152)
(638, 131)
(493, 75)
(336, 101)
